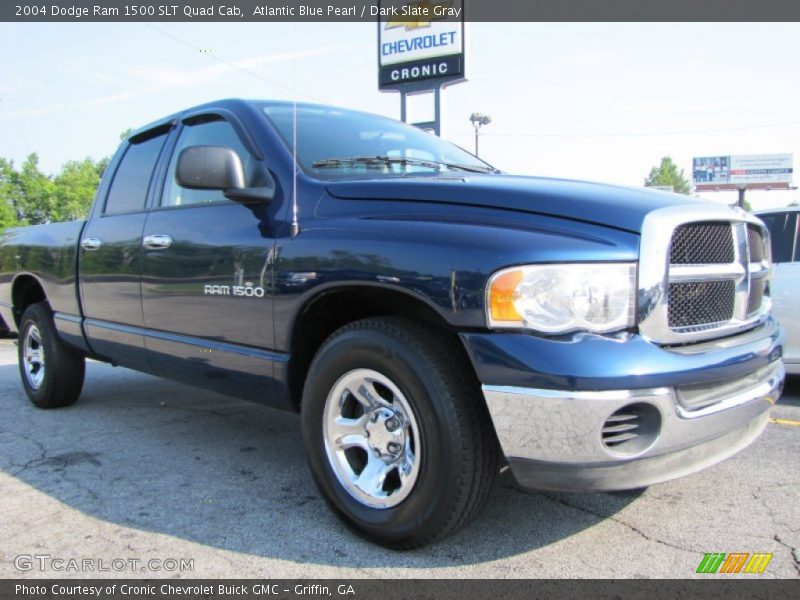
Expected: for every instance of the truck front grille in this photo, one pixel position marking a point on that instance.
(702, 243)
(710, 278)
(758, 288)
(700, 303)
(755, 242)
(709, 264)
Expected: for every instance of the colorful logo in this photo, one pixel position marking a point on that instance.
(734, 562)
(424, 11)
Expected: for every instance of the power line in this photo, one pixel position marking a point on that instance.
(639, 133)
(293, 90)
(231, 64)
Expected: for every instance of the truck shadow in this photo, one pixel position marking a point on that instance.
(161, 457)
(791, 391)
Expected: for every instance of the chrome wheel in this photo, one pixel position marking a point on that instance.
(371, 438)
(33, 357)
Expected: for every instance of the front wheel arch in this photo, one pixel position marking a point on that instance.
(335, 306)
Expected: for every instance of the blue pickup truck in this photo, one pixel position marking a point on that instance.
(428, 316)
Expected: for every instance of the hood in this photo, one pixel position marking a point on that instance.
(612, 206)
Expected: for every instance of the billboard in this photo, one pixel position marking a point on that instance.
(420, 41)
(754, 171)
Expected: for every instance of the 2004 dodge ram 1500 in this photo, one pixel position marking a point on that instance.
(423, 312)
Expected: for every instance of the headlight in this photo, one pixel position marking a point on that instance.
(562, 298)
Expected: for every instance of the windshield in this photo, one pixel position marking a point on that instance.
(338, 144)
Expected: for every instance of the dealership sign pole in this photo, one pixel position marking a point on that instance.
(742, 173)
(421, 49)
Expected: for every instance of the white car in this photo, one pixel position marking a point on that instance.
(784, 227)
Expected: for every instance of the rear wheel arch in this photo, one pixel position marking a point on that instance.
(25, 291)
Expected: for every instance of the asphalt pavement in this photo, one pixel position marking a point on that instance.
(147, 478)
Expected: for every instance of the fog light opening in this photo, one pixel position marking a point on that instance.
(632, 429)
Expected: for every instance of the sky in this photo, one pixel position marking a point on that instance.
(594, 101)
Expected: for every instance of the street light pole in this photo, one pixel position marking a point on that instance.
(478, 120)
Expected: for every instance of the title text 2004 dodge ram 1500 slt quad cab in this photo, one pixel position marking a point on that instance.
(422, 311)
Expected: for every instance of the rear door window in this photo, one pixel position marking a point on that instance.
(128, 192)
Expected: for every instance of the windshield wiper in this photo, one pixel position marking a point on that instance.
(351, 160)
(438, 163)
(398, 160)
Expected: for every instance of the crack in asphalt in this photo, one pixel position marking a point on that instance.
(59, 462)
(599, 515)
(777, 537)
(630, 526)
(792, 551)
(762, 502)
(32, 462)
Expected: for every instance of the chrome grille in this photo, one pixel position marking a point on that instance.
(700, 303)
(703, 273)
(758, 287)
(755, 241)
(702, 243)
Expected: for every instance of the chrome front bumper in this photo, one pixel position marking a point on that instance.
(553, 439)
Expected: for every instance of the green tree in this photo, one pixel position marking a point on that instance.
(667, 173)
(102, 164)
(7, 216)
(75, 187)
(9, 188)
(30, 197)
(37, 200)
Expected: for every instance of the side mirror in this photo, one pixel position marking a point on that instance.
(209, 168)
(218, 168)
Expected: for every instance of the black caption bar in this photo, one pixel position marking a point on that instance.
(396, 589)
(368, 10)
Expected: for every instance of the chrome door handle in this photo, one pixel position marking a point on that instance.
(90, 244)
(157, 241)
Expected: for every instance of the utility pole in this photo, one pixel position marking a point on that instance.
(479, 120)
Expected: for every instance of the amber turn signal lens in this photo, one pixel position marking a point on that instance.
(501, 296)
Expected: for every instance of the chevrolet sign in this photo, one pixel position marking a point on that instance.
(420, 40)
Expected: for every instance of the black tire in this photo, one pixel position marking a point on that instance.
(62, 369)
(460, 454)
